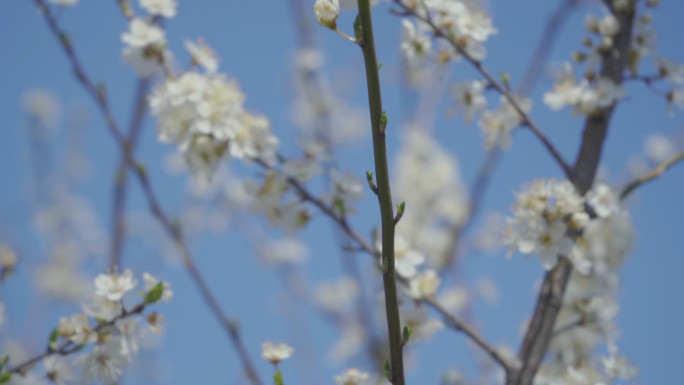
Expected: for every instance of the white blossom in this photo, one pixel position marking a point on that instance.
(105, 363)
(143, 33)
(77, 329)
(102, 308)
(114, 286)
(202, 54)
(337, 296)
(601, 94)
(41, 105)
(345, 189)
(327, 12)
(424, 285)
(166, 8)
(539, 223)
(608, 25)
(352, 376)
(498, 124)
(469, 99)
(415, 43)
(406, 259)
(276, 352)
(58, 369)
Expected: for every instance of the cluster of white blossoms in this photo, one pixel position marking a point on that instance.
(112, 330)
(203, 114)
(587, 97)
(145, 40)
(463, 22)
(495, 124)
(466, 23)
(550, 219)
(611, 369)
(271, 197)
(428, 179)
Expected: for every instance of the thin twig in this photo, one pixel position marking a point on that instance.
(121, 176)
(653, 174)
(545, 45)
(69, 347)
(366, 41)
(469, 331)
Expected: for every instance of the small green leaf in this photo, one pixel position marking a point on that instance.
(383, 122)
(371, 183)
(3, 361)
(505, 79)
(406, 335)
(278, 378)
(388, 371)
(5, 377)
(400, 212)
(54, 336)
(379, 66)
(358, 29)
(155, 294)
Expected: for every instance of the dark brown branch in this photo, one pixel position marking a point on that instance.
(540, 330)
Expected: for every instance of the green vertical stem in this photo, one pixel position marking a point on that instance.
(367, 44)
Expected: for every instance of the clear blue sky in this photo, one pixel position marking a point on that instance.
(256, 40)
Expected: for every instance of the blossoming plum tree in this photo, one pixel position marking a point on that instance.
(578, 223)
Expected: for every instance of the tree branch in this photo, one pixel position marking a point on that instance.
(366, 41)
(540, 329)
(653, 174)
(495, 84)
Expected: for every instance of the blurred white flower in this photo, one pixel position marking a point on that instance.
(659, 148)
(406, 259)
(276, 352)
(202, 54)
(352, 376)
(58, 369)
(327, 12)
(105, 363)
(114, 286)
(337, 296)
(424, 285)
(143, 33)
(166, 8)
(76, 328)
(41, 105)
(469, 99)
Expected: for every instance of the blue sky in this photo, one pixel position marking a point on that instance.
(256, 41)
